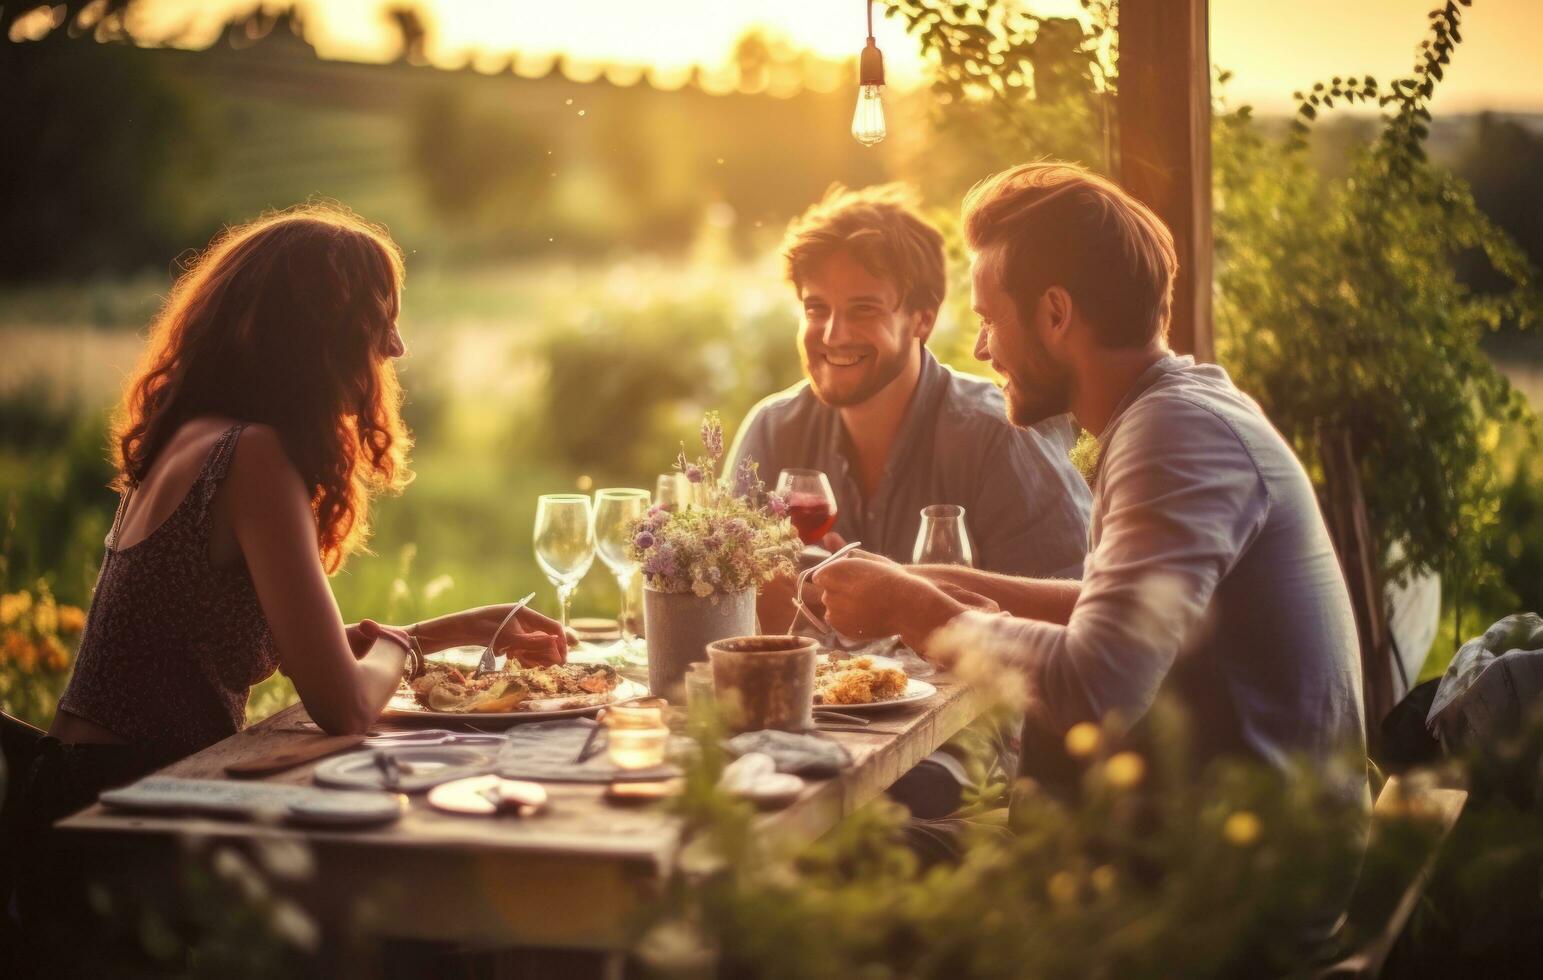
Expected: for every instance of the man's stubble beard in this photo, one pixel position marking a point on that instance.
(882, 376)
(1051, 392)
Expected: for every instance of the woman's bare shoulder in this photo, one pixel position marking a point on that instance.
(261, 462)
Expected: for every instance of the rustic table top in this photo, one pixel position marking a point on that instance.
(570, 876)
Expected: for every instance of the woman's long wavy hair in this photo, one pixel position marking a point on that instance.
(285, 321)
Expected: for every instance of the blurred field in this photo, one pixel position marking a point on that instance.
(521, 380)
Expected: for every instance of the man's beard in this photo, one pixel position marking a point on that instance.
(878, 377)
(1050, 394)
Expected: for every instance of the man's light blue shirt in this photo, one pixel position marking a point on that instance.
(1026, 506)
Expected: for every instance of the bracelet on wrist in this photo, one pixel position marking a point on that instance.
(415, 660)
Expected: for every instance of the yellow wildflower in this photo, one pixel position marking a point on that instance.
(1242, 828)
(72, 620)
(45, 615)
(1104, 879)
(13, 606)
(1125, 770)
(19, 651)
(1082, 740)
(56, 656)
(1063, 888)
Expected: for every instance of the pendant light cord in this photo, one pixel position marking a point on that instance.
(870, 20)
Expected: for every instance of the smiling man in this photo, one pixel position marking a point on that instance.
(893, 429)
(1211, 575)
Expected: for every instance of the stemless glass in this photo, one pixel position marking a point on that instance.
(565, 543)
(811, 503)
(943, 538)
(617, 511)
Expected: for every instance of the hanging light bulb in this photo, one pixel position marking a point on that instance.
(868, 119)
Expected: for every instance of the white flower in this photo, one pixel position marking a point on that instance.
(702, 588)
(293, 926)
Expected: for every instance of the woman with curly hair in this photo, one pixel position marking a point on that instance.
(263, 419)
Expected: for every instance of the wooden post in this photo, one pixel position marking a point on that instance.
(1345, 512)
(1165, 145)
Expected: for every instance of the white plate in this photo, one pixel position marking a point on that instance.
(429, 766)
(915, 691)
(403, 705)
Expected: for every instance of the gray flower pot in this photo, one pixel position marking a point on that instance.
(678, 627)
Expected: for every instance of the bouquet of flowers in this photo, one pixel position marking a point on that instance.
(733, 536)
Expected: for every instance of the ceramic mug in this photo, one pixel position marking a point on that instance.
(764, 682)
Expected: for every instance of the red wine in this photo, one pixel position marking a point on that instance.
(812, 516)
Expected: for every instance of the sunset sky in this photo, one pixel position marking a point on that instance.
(1271, 46)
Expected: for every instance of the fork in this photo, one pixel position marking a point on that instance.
(487, 664)
(800, 609)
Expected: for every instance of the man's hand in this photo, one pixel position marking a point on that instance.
(870, 596)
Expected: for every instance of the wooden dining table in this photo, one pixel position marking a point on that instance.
(575, 876)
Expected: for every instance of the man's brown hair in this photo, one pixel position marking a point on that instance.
(1061, 225)
(880, 228)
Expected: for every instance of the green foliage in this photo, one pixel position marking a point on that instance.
(624, 381)
(1152, 870)
(1339, 305)
(1008, 81)
(91, 183)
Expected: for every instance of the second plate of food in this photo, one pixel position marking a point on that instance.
(863, 684)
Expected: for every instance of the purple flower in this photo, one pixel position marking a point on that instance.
(643, 541)
(712, 436)
(777, 504)
(694, 473)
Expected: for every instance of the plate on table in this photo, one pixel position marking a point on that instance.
(915, 690)
(572, 704)
(420, 767)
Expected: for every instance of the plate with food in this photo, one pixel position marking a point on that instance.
(450, 690)
(860, 684)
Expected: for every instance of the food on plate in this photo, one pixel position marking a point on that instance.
(856, 681)
(443, 687)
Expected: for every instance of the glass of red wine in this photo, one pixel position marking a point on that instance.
(811, 503)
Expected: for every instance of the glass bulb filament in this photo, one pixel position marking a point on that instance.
(868, 120)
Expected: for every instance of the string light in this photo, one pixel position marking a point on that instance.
(868, 119)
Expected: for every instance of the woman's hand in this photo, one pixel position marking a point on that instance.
(530, 638)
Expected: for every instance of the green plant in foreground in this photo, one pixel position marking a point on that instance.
(1153, 868)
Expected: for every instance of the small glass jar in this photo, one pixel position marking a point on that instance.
(699, 686)
(637, 735)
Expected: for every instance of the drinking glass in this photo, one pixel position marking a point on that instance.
(565, 543)
(811, 503)
(617, 511)
(943, 538)
(672, 491)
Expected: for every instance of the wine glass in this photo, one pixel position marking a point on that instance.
(672, 491)
(811, 503)
(617, 511)
(943, 538)
(565, 543)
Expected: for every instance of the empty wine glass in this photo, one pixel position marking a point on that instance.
(943, 538)
(811, 503)
(565, 543)
(617, 511)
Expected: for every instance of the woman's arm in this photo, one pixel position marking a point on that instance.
(271, 514)
(531, 638)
